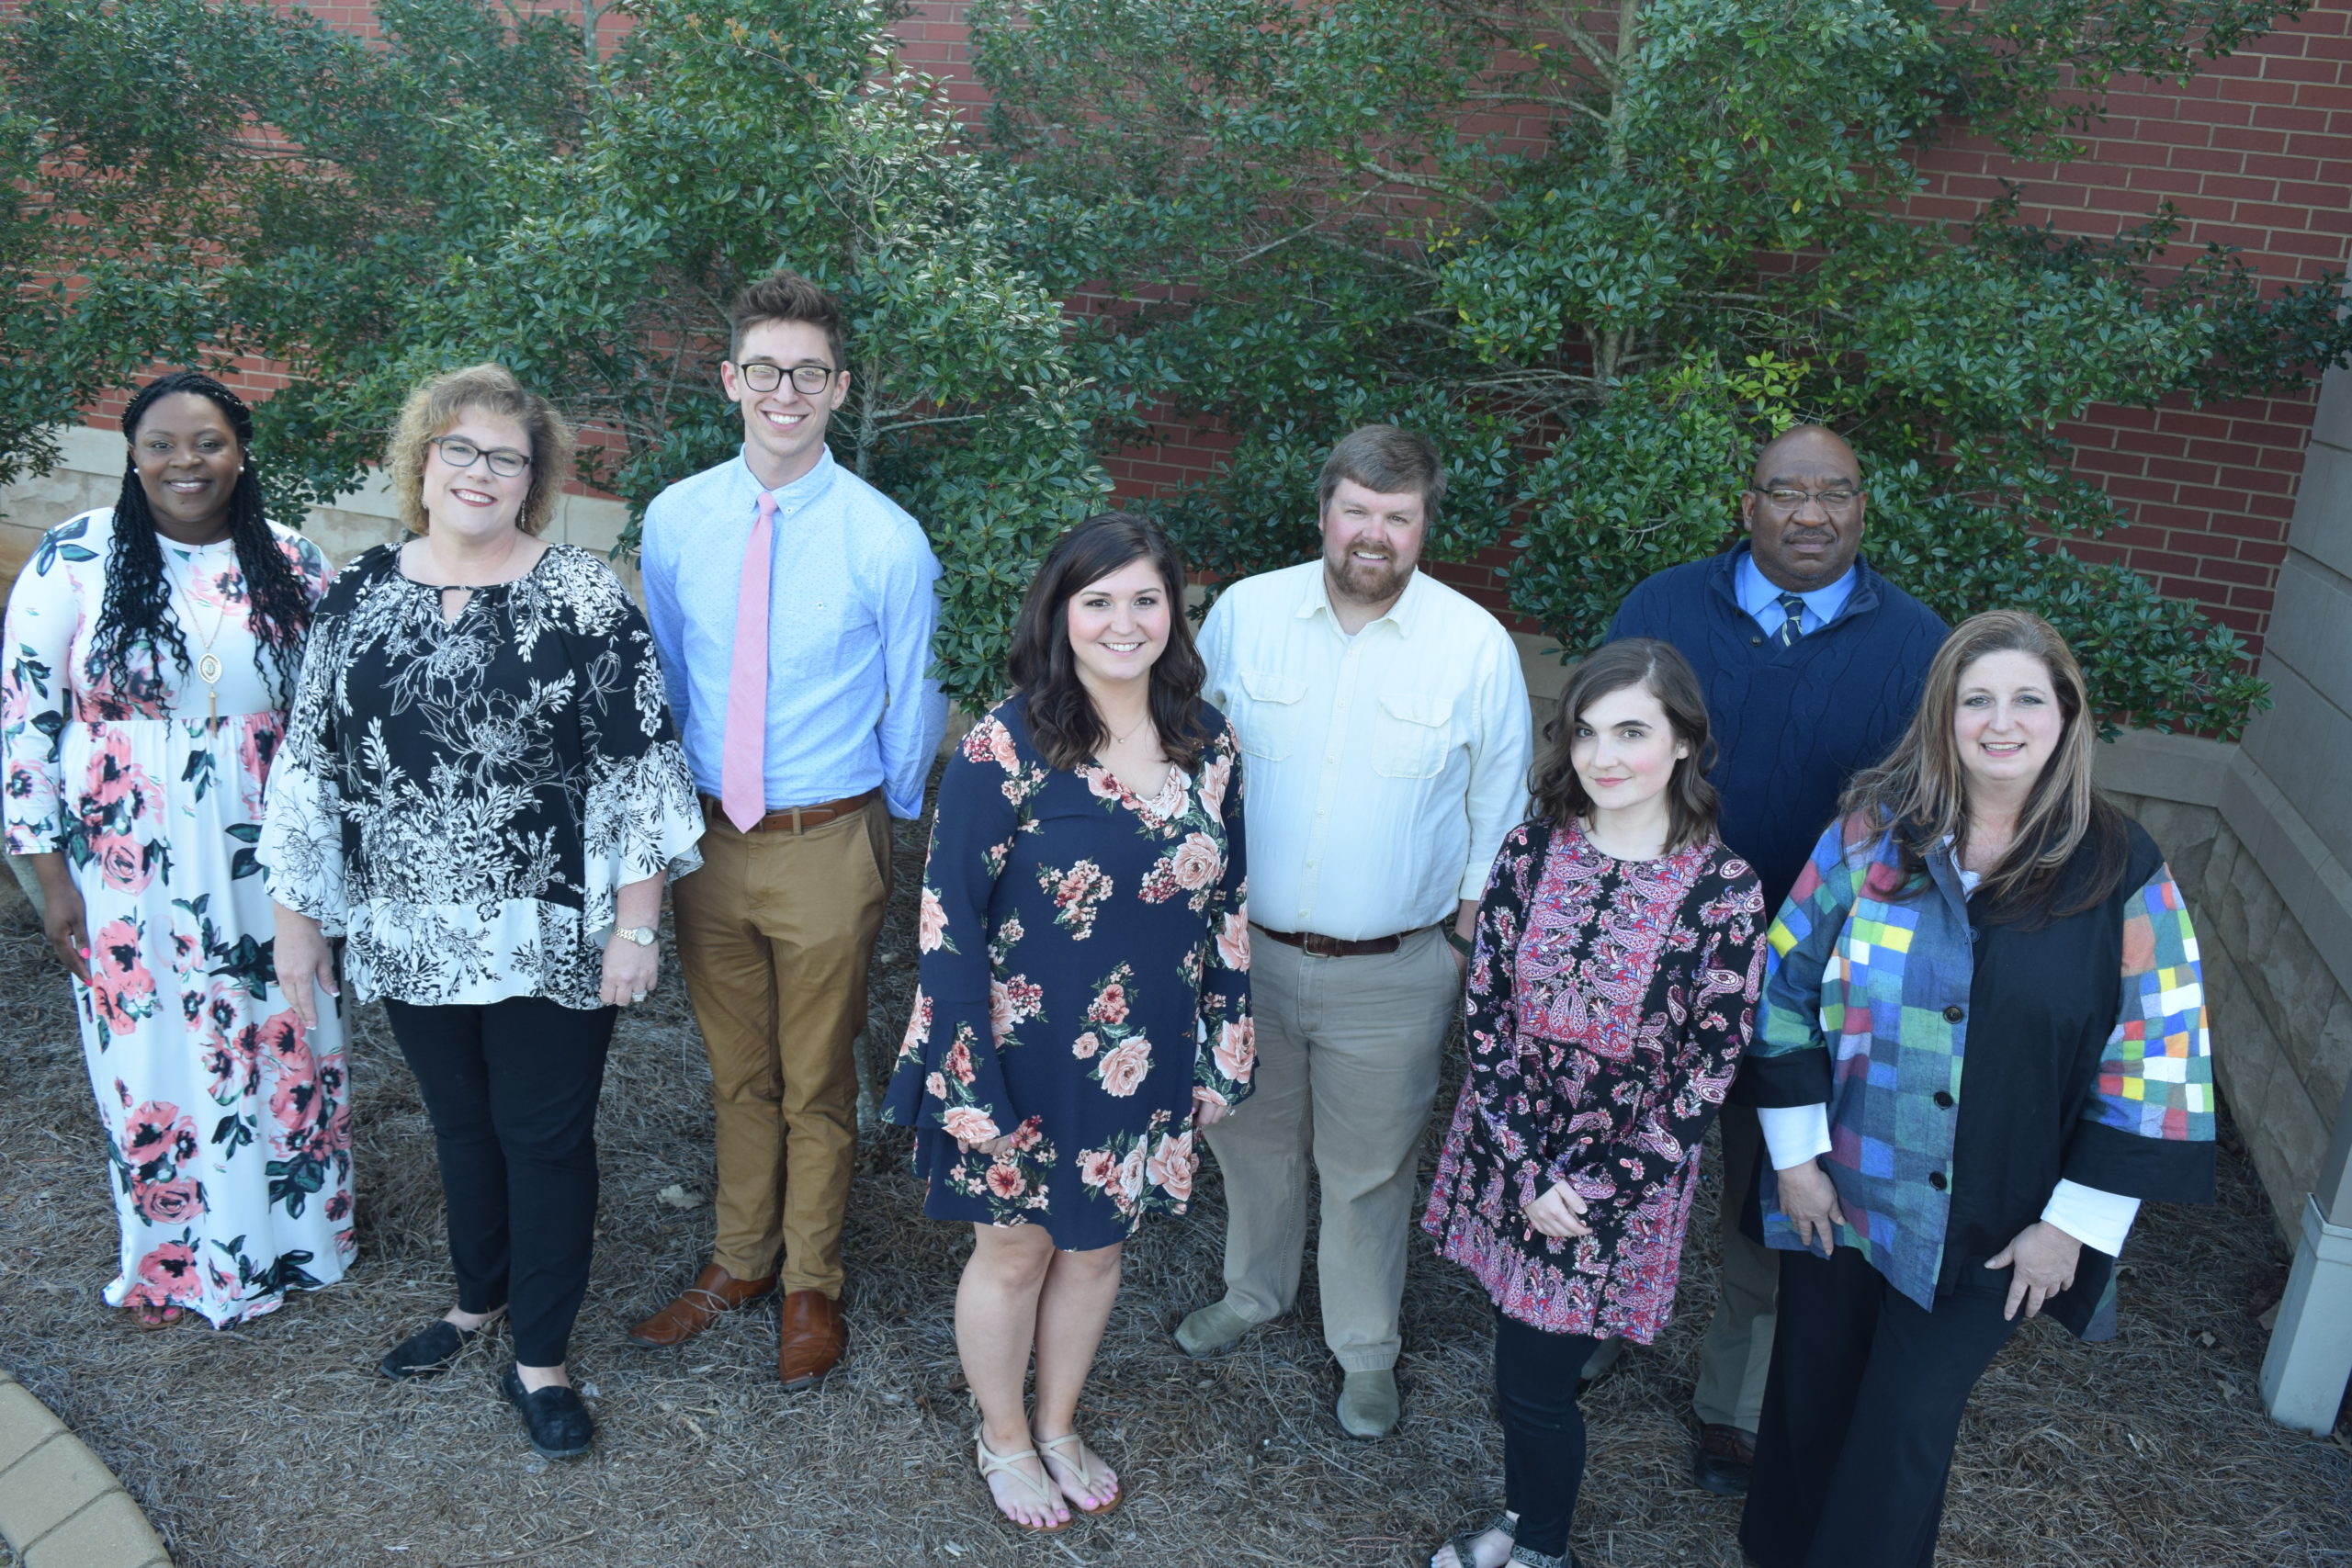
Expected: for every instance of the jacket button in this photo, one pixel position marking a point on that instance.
(1954, 1014)
(1943, 1099)
(1936, 1180)
(1754, 641)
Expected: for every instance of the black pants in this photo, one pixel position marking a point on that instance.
(1861, 1409)
(512, 1089)
(1535, 1384)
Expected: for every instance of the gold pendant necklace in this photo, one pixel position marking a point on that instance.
(207, 665)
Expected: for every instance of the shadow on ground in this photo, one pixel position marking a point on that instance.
(274, 1445)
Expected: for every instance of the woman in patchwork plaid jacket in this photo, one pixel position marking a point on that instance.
(1983, 1044)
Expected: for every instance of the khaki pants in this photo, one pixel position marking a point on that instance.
(1737, 1350)
(774, 935)
(1346, 1068)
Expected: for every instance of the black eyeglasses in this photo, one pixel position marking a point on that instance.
(1788, 498)
(807, 379)
(459, 453)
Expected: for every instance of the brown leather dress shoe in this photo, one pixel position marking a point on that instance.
(1725, 1457)
(811, 1340)
(697, 1306)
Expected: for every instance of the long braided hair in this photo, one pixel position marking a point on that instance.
(138, 617)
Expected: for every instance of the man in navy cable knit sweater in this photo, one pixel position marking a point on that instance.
(1812, 664)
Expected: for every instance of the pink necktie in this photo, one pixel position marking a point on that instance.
(743, 762)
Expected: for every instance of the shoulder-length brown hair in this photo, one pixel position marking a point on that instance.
(1061, 715)
(1921, 790)
(1657, 668)
(492, 390)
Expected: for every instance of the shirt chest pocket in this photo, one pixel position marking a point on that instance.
(1269, 715)
(1410, 735)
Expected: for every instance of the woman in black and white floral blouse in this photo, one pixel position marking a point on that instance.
(480, 790)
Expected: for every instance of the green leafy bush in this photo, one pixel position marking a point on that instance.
(479, 186)
(1600, 252)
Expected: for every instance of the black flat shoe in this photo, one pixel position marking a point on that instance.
(430, 1349)
(558, 1422)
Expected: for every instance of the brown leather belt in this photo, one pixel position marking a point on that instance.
(798, 819)
(1317, 946)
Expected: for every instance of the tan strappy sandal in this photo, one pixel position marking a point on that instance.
(991, 1461)
(1053, 1447)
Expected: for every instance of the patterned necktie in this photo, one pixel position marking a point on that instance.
(743, 762)
(1793, 627)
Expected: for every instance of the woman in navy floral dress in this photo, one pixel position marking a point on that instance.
(1083, 1001)
(1612, 989)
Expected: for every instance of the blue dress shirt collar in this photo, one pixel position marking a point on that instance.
(1761, 600)
(791, 496)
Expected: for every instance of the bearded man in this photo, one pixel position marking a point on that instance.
(1386, 727)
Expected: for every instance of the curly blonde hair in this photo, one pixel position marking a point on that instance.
(490, 389)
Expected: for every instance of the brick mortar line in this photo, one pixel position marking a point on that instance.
(32, 1429)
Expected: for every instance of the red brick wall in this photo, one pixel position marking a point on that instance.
(2256, 152)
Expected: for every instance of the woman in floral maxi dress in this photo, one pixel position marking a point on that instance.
(1612, 987)
(145, 681)
(1084, 999)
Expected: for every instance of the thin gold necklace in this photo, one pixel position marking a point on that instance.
(184, 595)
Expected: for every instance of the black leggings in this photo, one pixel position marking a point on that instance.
(512, 1088)
(1535, 1384)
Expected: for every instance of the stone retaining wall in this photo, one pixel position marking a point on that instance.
(2281, 1021)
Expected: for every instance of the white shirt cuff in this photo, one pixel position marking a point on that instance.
(2098, 1220)
(1795, 1133)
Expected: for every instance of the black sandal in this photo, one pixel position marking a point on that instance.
(1465, 1540)
(430, 1349)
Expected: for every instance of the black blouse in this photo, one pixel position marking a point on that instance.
(463, 798)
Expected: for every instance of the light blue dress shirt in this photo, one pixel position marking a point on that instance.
(1762, 601)
(853, 603)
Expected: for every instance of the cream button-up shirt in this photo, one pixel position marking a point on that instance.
(1383, 770)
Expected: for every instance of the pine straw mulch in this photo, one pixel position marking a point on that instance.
(275, 1445)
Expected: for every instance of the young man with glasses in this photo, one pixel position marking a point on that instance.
(794, 606)
(1812, 664)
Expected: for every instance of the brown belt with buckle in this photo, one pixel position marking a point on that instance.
(798, 819)
(1317, 946)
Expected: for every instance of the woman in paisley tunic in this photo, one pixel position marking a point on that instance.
(1084, 997)
(150, 651)
(1612, 987)
(481, 791)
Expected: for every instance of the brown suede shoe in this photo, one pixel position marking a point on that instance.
(811, 1340)
(697, 1306)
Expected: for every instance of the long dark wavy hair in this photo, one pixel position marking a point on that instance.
(137, 616)
(1061, 715)
(1657, 667)
(1922, 787)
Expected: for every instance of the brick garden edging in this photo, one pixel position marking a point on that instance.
(60, 1507)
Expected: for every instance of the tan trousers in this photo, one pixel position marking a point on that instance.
(1737, 1350)
(774, 936)
(1346, 1068)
